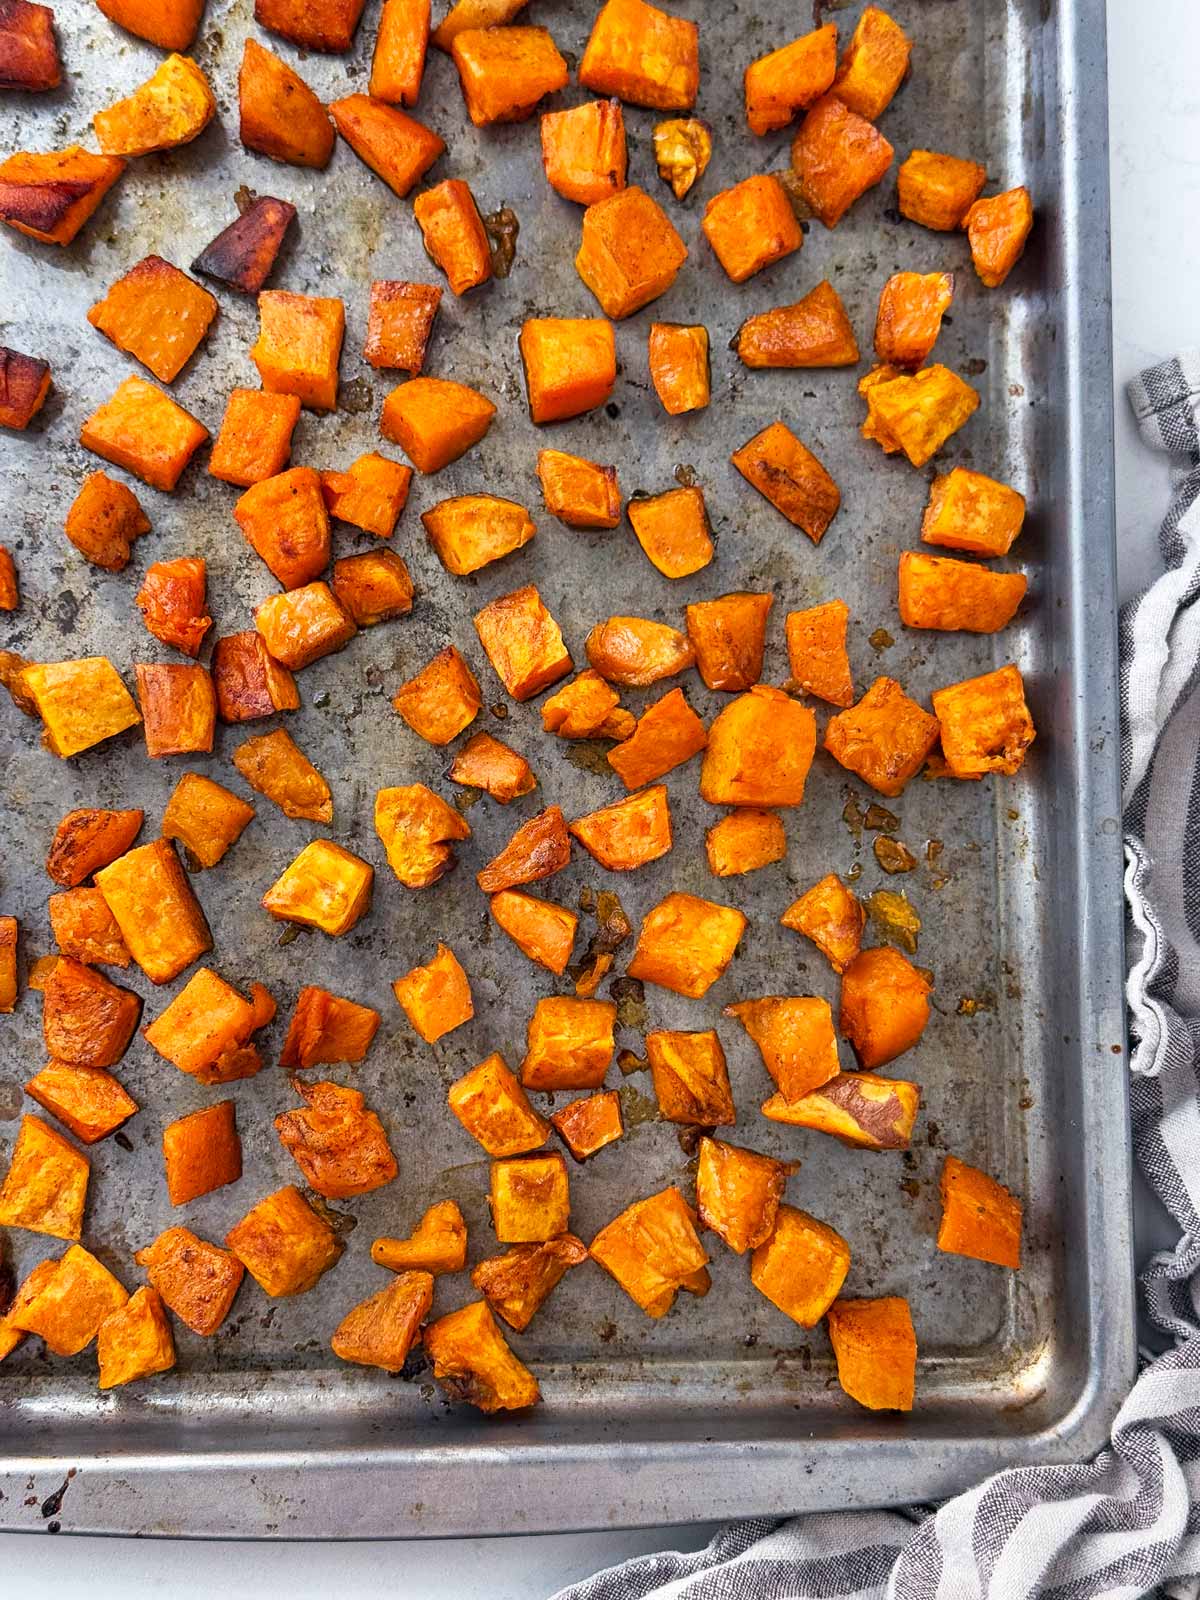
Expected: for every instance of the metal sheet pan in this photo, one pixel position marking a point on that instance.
(724, 1407)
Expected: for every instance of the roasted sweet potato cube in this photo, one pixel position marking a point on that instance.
(255, 439)
(87, 1020)
(435, 421)
(685, 943)
(831, 916)
(280, 115)
(380, 1332)
(464, 14)
(179, 708)
(985, 723)
(884, 739)
(794, 1034)
(885, 1006)
(104, 520)
(243, 254)
(629, 833)
(276, 767)
(325, 887)
(538, 849)
(171, 601)
(201, 1152)
(862, 1109)
(86, 1100)
(938, 190)
(45, 1187)
(202, 1031)
(159, 917)
(71, 1305)
(629, 253)
(398, 63)
(569, 1043)
(683, 148)
(911, 307)
(816, 642)
(302, 625)
(395, 146)
(28, 49)
(946, 595)
(874, 64)
(24, 385)
(637, 652)
(504, 72)
(581, 709)
(298, 345)
(172, 107)
(643, 55)
(968, 511)
(523, 642)
(283, 1244)
(485, 763)
(836, 157)
(801, 1267)
(11, 1335)
(311, 24)
(438, 1244)
(454, 235)
(249, 682)
(653, 1250)
(399, 321)
(285, 521)
(789, 79)
(814, 332)
(668, 733)
(494, 1109)
(570, 365)
(436, 998)
(156, 314)
(417, 828)
(997, 229)
(585, 1127)
(370, 494)
(980, 1217)
(326, 1030)
(672, 529)
(786, 473)
(143, 430)
(81, 703)
(743, 841)
(529, 1198)
(517, 1283)
(915, 412)
(83, 928)
(579, 492)
(876, 1351)
(729, 637)
(134, 1341)
(472, 1361)
(583, 151)
(543, 931)
(470, 531)
(751, 226)
(10, 595)
(373, 586)
(197, 1280)
(691, 1079)
(50, 196)
(9, 930)
(337, 1142)
(760, 748)
(738, 1193)
(85, 841)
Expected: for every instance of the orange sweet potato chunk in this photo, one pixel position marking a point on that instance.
(997, 229)
(201, 1152)
(172, 107)
(668, 733)
(794, 1034)
(685, 943)
(45, 1187)
(435, 421)
(538, 849)
(472, 1361)
(438, 1244)
(485, 763)
(51, 196)
(143, 430)
(814, 332)
(861, 1109)
(584, 708)
(398, 63)
(629, 833)
(302, 625)
(417, 827)
(494, 1109)
(81, 703)
(9, 931)
(84, 929)
(980, 1218)
(911, 307)
(789, 79)
(70, 1306)
(454, 235)
(629, 253)
(586, 1126)
(179, 708)
(197, 1280)
(874, 64)
(156, 314)
(243, 254)
(517, 1283)
(464, 14)
(10, 595)
(985, 723)
(570, 365)
(326, 1030)
(504, 72)
(578, 492)
(283, 1244)
(280, 115)
(786, 473)
(801, 1267)
(159, 916)
(134, 1341)
(311, 24)
(400, 319)
(205, 1030)
(673, 530)
(968, 511)
(441, 700)
(643, 55)
(373, 586)
(171, 601)
(470, 531)
(380, 1331)
(569, 1043)
(274, 765)
(85, 841)
(395, 146)
(541, 930)
(523, 642)
(876, 1351)
(691, 1079)
(915, 412)
(28, 49)
(637, 652)
(836, 157)
(832, 916)
(11, 1334)
(255, 439)
(816, 644)
(583, 151)
(743, 841)
(337, 1142)
(529, 1198)
(87, 1020)
(298, 346)
(436, 998)
(653, 1250)
(325, 887)
(88, 1101)
(751, 226)
(884, 739)
(947, 595)
(738, 1193)
(760, 748)
(250, 683)
(104, 520)
(885, 1005)
(24, 385)
(729, 638)
(370, 494)
(938, 190)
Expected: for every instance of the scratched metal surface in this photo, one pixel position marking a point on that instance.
(723, 1406)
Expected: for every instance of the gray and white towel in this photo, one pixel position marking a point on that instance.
(1128, 1523)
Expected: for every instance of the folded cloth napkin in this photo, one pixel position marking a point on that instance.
(1128, 1523)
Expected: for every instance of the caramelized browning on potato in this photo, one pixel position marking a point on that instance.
(517, 1283)
(205, 1031)
(788, 80)
(381, 1331)
(643, 55)
(967, 511)
(171, 601)
(417, 828)
(911, 307)
(326, 1029)
(283, 1244)
(473, 530)
(243, 254)
(691, 1080)
(88, 1101)
(815, 332)
(523, 642)
(634, 651)
(653, 1250)
(85, 841)
(50, 197)
(249, 682)
(538, 849)
(87, 1020)
(339, 1145)
(28, 49)
(179, 708)
(472, 1362)
(836, 157)
(738, 1193)
(24, 385)
(586, 1126)
(276, 767)
(786, 473)
(831, 916)
(311, 24)
(529, 1198)
(884, 739)
(580, 493)
(84, 928)
(197, 1280)
(583, 151)
(302, 625)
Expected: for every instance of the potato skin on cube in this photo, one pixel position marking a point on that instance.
(283, 1244)
(243, 254)
(876, 1351)
(24, 385)
(862, 1109)
(685, 943)
(325, 887)
(801, 1267)
(980, 1218)
(885, 1005)
(472, 1361)
(653, 1250)
(738, 1193)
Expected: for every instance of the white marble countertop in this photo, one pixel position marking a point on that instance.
(1155, 145)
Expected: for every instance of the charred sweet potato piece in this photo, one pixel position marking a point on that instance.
(985, 723)
(581, 709)
(156, 314)
(401, 41)
(836, 157)
(280, 115)
(51, 196)
(179, 708)
(436, 998)
(583, 151)
(874, 64)
(629, 252)
(794, 1034)
(276, 767)
(28, 49)
(9, 932)
(373, 586)
(380, 1331)
(814, 332)
(134, 1341)
(472, 1361)
(485, 763)
(523, 642)
(85, 841)
(46, 1184)
(494, 1109)
(751, 226)
(760, 748)
(629, 833)
(417, 827)
(327, 1030)
(738, 1193)
(83, 928)
(171, 601)
(170, 24)
(540, 929)
(831, 916)
(504, 72)
(311, 24)
(339, 1145)
(86, 1100)
(636, 652)
(786, 473)
(585, 1127)
(538, 849)
(400, 319)
(70, 1306)
(579, 492)
(249, 682)
(517, 1283)
(205, 1030)
(570, 365)
(143, 430)
(816, 643)
(997, 229)
(438, 1244)
(298, 346)
(255, 439)
(685, 943)
(471, 531)
(911, 307)
(957, 595)
(370, 494)
(243, 254)
(171, 108)
(673, 531)
(454, 235)
(643, 55)
(789, 79)
(691, 1079)
(325, 887)
(10, 595)
(915, 412)
(967, 511)
(885, 1005)
(653, 1250)
(862, 1109)
(938, 190)
(435, 421)
(87, 1021)
(667, 734)
(876, 1351)
(24, 385)
(159, 917)
(11, 1334)
(81, 703)
(197, 1280)
(801, 1267)
(884, 739)
(980, 1218)
(395, 146)
(569, 1043)
(743, 841)
(302, 625)
(104, 520)
(283, 1244)
(201, 1152)
(529, 1198)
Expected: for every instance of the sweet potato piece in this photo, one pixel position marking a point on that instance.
(911, 307)
(950, 595)
(760, 748)
(980, 1217)
(915, 412)
(884, 1006)
(729, 637)
(171, 108)
(243, 254)
(156, 314)
(653, 1250)
(985, 723)
(874, 64)
(643, 55)
(373, 586)
(50, 196)
(464, 14)
(691, 1079)
(569, 1043)
(472, 1361)
(494, 1109)
(380, 1331)
(862, 1109)
(71, 1305)
(249, 682)
(801, 1267)
(395, 146)
(85, 841)
(672, 529)
(104, 520)
(159, 917)
(968, 511)
(302, 625)
(398, 63)
(540, 929)
(876, 1351)
(832, 917)
(27, 1291)
(570, 365)
(179, 708)
(884, 739)
(84, 929)
(685, 943)
(997, 229)
(938, 190)
(134, 1341)
(171, 601)
(667, 734)
(789, 79)
(485, 763)
(581, 709)
(629, 252)
(743, 841)
(197, 1280)
(416, 827)
(471, 531)
(814, 332)
(339, 1145)
(255, 439)
(327, 1030)
(298, 345)
(399, 321)
(28, 49)
(10, 597)
(81, 703)
(441, 700)
(529, 1198)
(46, 1184)
(87, 1021)
(280, 115)
(786, 473)
(636, 652)
(436, 998)
(143, 430)
(583, 151)
(311, 24)
(816, 643)
(454, 235)
(504, 72)
(275, 765)
(202, 1031)
(86, 1100)
(170, 24)
(523, 642)
(836, 157)
(751, 226)
(585, 1127)
(201, 1152)
(24, 385)
(370, 495)
(438, 1244)
(683, 148)
(538, 849)
(738, 1193)
(794, 1034)
(9, 930)
(517, 1283)
(435, 421)
(325, 887)
(629, 833)
(283, 1244)
(579, 492)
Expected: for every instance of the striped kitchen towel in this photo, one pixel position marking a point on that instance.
(1128, 1523)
